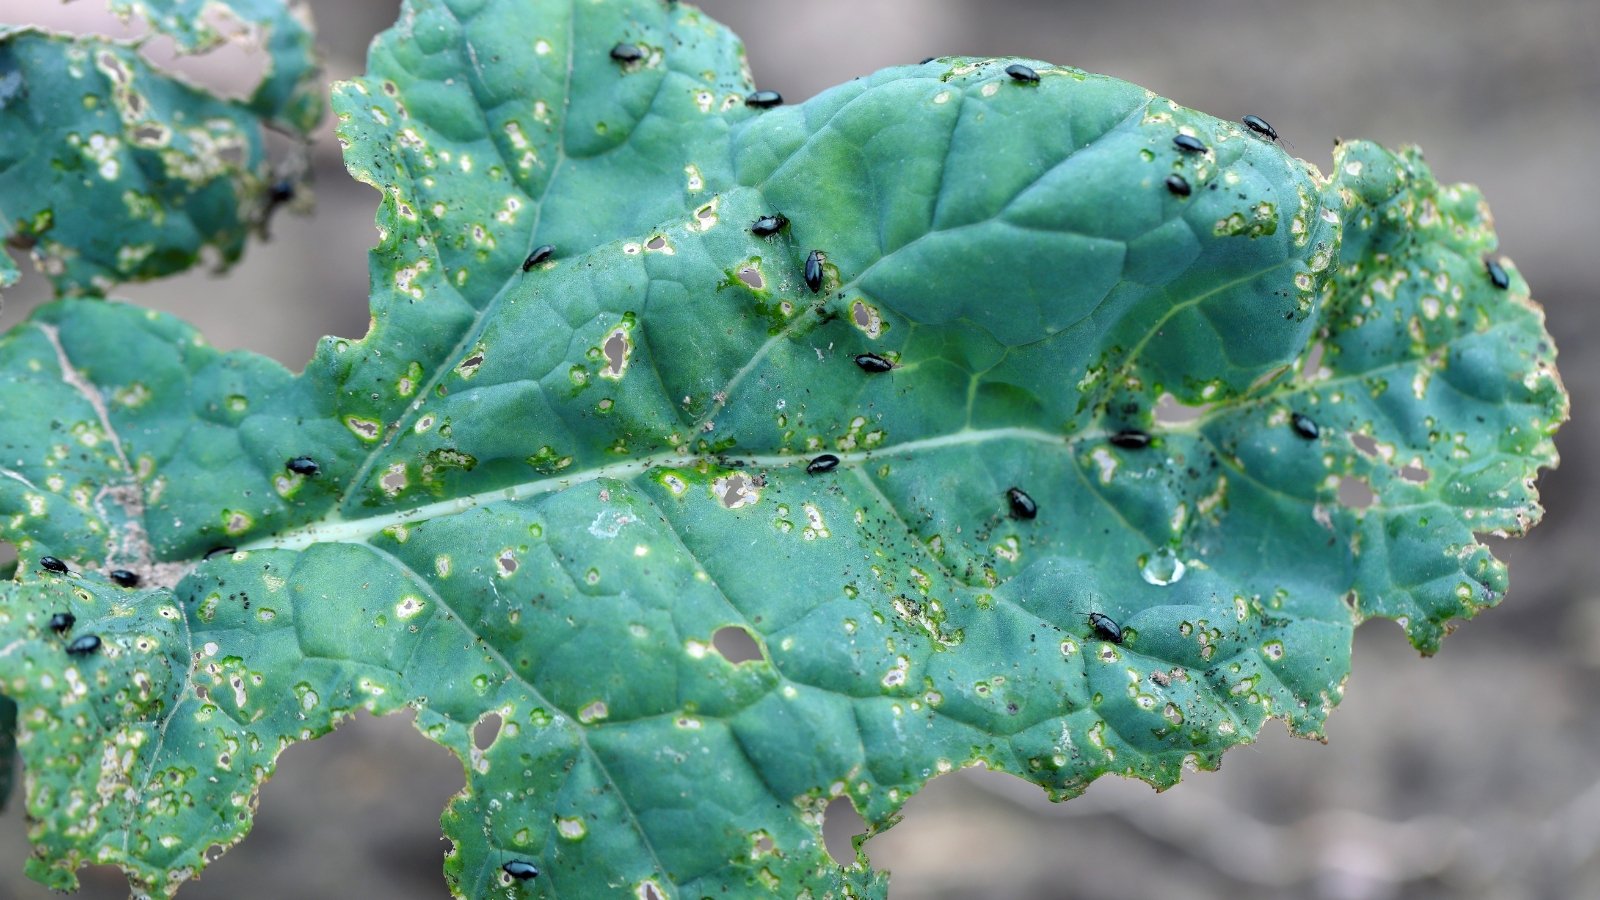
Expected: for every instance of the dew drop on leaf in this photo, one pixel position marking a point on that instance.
(1163, 568)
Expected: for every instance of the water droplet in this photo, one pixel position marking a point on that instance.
(1163, 568)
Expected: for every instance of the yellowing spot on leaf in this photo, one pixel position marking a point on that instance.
(365, 429)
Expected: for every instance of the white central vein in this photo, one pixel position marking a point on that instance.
(355, 531)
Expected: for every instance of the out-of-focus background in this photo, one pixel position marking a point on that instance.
(1475, 774)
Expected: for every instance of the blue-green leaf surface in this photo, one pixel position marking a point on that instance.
(290, 91)
(541, 491)
(113, 170)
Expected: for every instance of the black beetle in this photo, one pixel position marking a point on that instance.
(827, 462)
(813, 271)
(1188, 143)
(521, 871)
(1130, 439)
(83, 646)
(124, 578)
(1022, 73)
(928, 60)
(220, 551)
(1260, 126)
(873, 364)
(1304, 427)
(627, 53)
(767, 226)
(51, 564)
(539, 255)
(62, 622)
(303, 465)
(1022, 506)
(1178, 184)
(1105, 627)
(764, 99)
(1497, 274)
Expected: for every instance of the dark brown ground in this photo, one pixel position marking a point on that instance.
(1472, 775)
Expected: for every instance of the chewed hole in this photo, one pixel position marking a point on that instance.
(840, 824)
(1366, 444)
(1170, 412)
(751, 276)
(1313, 361)
(1355, 493)
(616, 351)
(736, 645)
(1415, 474)
(486, 730)
(656, 243)
(8, 559)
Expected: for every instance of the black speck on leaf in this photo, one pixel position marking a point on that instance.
(1105, 627)
(813, 271)
(827, 462)
(303, 465)
(873, 364)
(521, 870)
(1260, 126)
(1497, 274)
(539, 255)
(767, 226)
(1022, 505)
(1022, 73)
(85, 645)
(764, 99)
(1130, 439)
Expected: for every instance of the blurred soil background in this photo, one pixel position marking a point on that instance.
(1475, 774)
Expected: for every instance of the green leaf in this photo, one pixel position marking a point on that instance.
(540, 494)
(112, 170)
(290, 91)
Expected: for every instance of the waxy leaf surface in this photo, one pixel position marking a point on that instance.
(114, 170)
(543, 490)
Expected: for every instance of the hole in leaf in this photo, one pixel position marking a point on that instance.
(1170, 412)
(1415, 474)
(232, 68)
(1355, 493)
(8, 559)
(656, 243)
(486, 730)
(1366, 444)
(370, 792)
(751, 276)
(1313, 363)
(840, 824)
(616, 350)
(736, 644)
